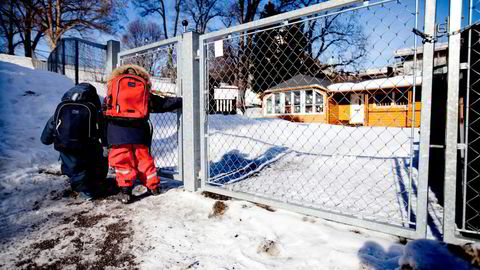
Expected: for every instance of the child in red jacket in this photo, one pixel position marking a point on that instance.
(129, 139)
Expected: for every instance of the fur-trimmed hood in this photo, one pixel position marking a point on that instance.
(126, 69)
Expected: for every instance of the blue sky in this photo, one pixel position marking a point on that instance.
(132, 14)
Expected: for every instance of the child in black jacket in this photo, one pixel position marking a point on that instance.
(85, 165)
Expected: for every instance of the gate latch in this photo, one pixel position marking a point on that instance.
(426, 37)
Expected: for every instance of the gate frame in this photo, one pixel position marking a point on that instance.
(420, 230)
(452, 233)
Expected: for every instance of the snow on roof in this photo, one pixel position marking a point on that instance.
(299, 81)
(411, 51)
(390, 82)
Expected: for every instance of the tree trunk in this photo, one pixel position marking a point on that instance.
(27, 42)
(11, 47)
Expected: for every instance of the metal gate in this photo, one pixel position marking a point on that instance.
(463, 176)
(330, 98)
(160, 60)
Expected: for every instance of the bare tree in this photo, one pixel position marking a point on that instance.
(9, 25)
(201, 12)
(29, 24)
(149, 7)
(139, 33)
(243, 11)
(340, 35)
(56, 17)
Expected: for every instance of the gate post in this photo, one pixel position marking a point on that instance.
(425, 121)
(451, 140)
(189, 69)
(113, 48)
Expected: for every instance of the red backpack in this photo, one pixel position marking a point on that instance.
(127, 98)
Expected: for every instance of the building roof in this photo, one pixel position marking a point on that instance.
(390, 82)
(411, 51)
(299, 80)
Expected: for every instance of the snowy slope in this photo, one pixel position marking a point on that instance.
(176, 230)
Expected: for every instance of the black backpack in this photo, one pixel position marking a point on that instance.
(75, 119)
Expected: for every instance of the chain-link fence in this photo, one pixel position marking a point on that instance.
(80, 60)
(329, 111)
(161, 63)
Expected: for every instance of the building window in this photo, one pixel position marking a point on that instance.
(269, 105)
(401, 98)
(313, 102)
(383, 99)
(296, 101)
(391, 99)
(319, 103)
(278, 103)
(288, 102)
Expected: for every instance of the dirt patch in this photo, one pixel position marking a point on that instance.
(67, 220)
(110, 253)
(266, 207)
(468, 252)
(51, 172)
(46, 244)
(78, 243)
(36, 206)
(402, 240)
(216, 196)
(269, 247)
(85, 221)
(26, 264)
(219, 208)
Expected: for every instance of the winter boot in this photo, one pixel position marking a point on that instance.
(125, 195)
(155, 191)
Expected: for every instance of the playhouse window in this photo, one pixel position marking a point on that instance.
(296, 101)
(391, 99)
(269, 105)
(288, 102)
(401, 98)
(384, 99)
(313, 102)
(278, 103)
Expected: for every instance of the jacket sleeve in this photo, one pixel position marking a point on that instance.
(48, 132)
(160, 104)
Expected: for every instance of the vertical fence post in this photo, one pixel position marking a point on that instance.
(179, 112)
(63, 56)
(451, 139)
(113, 48)
(425, 121)
(76, 61)
(189, 67)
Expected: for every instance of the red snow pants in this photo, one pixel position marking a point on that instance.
(132, 161)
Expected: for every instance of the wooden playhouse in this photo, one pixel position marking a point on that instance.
(391, 101)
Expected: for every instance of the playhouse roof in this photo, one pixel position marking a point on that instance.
(299, 80)
(390, 82)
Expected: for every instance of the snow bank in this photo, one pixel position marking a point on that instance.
(29, 98)
(18, 60)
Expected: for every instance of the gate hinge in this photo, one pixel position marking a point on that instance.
(426, 37)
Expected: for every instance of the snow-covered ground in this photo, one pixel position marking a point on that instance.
(40, 229)
(361, 171)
